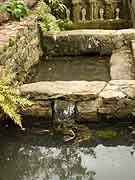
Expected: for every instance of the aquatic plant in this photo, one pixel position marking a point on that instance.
(106, 133)
(10, 99)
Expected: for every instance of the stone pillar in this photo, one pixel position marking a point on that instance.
(93, 10)
(76, 10)
(109, 11)
(132, 9)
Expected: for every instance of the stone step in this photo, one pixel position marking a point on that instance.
(93, 101)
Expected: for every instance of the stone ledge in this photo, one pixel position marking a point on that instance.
(79, 42)
(92, 100)
(68, 90)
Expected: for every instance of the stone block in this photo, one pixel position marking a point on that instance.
(121, 64)
(87, 111)
(117, 100)
(39, 109)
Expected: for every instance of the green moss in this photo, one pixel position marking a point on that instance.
(106, 133)
(12, 41)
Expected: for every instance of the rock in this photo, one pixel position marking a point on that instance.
(127, 87)
(39, 109)
(117, 100)
(121, 64)
(118, 39)
(80, 42)
(68, 90)
(94, 101)
(4, 17)
(87, 111)
(20, 46)
(77, 42)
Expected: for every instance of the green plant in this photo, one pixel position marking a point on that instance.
(12, 41)
(106, 133)
(3, 8)
(47, 21)
(17, 9)
(10, 100)
(58, 8)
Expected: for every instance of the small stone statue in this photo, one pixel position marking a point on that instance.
(68, 14)
(117, 14)
(101, 13)
(83, 11)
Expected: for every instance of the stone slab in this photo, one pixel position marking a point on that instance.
(121, 64)
(117, 100)
(79, 42)
(69, 90)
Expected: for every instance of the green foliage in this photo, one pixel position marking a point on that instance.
(58, 8)
(3, 8)
(10, 100)
(106, 133)
(12, 41)
(17, 9)
(51, 15)
(47, 21)
(65, 24)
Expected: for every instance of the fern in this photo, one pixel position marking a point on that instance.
(10, 100)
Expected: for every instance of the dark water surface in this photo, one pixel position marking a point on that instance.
(87, 68)
(37, 155)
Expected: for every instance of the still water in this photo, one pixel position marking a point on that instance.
(35, 154)
(94, 68)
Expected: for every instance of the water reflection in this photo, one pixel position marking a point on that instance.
(20, 161)
(88, 68)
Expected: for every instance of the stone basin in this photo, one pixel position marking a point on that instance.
(57, 83)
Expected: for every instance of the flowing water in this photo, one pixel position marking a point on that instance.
(36, 154)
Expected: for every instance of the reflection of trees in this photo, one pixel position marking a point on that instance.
(29, 163)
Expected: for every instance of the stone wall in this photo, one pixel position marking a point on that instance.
(84, 42)
(20, 46)
(92, 101)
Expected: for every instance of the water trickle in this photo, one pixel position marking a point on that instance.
(64, 111)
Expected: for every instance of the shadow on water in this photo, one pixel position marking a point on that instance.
(37, 154)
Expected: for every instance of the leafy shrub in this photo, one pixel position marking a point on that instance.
(58, 8)
(47, 21)
(17, 9)
(10, 100)
(50, 17)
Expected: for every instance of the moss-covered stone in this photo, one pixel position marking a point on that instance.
(21, 48)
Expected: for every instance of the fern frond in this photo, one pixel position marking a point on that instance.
(10, 100)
